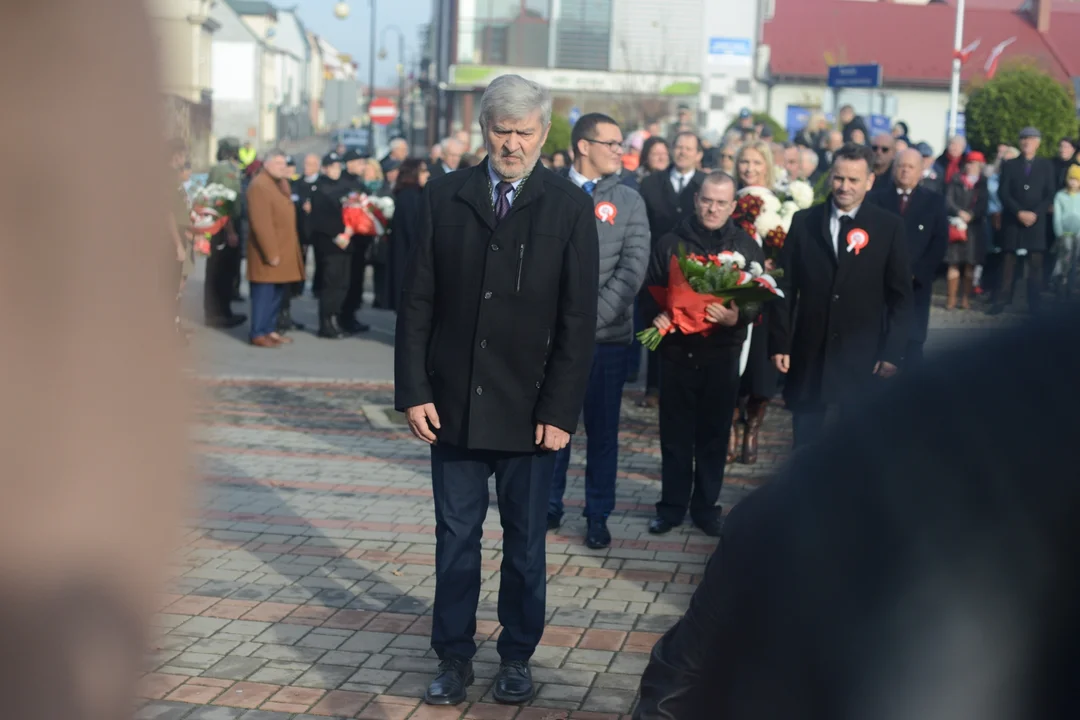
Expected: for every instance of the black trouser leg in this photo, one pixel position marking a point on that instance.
(336, 267)
(218, 288)
(354, 298)
(1008, 270)
(715, 408)
(1035, 281)
(678, 411)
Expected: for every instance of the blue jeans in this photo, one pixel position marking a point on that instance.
(603, 401)
(265, 302)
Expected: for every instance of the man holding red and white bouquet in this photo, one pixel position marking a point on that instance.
(699, 376)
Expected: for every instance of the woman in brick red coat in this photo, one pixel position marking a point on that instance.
(273, 258)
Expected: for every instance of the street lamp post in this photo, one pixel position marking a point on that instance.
(341, 10)
(401, 77)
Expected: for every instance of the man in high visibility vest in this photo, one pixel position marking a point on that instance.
(247, 154)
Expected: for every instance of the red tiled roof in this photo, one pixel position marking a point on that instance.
(913, 43)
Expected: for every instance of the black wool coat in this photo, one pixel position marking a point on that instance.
(666, 208)
(497, 320)
(840, 316)
(1024, 188)
(926, 228)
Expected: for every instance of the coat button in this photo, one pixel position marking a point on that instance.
(1027, 187)
(494, 246)
(479, 390)
(689, 355)
(483, 343)
(920, 228)
(835, 298)
(537, 384)
(487, 295)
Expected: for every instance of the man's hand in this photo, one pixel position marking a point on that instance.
(1027, 217)
(723, 316)
(662, 321)
(421, 419)
(274, 261)
(965, 216)
(782, 362)
(549, 437)
(341, 241)
(769, 265)
(307, 207)
(884, 369)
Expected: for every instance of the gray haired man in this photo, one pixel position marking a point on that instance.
(623, 227)
(495, 338)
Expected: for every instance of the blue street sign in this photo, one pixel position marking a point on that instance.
(855, 76)
(797, 118)
(574, 115)
(879, 124)
(733, 47)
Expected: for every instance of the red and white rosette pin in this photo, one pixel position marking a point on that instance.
(857, 239)
(606, 212)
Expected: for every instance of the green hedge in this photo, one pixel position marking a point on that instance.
(1019, 95)
(779, 132)
(559, 136)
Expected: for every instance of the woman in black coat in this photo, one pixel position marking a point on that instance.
(405, 228)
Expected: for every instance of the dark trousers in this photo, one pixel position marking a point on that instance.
(634, 351)
(265, 303)
(603, 403)
(298, 287)
(696, 405)
(913, 356)
(1034, 275)
(354, 298)
(459, 479)
(336, 268)
(221, 267)
(652, 365)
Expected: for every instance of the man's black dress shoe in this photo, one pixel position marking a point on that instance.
(660, 526)
(449, 686)
(554, 521)
(597, 536)
(234, 320)
(711, 526)
(513, 684)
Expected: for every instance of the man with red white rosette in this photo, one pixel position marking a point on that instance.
(843, 323)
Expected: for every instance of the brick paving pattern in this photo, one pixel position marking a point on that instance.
(304, 587)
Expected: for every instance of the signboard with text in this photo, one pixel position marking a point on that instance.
(855, 76)
(730, 51)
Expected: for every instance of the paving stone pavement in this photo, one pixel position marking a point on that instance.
(304, 587)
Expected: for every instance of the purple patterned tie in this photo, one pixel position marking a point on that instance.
(502, 202)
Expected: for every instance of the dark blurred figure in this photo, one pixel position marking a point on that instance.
(467, 161)
(332, 242)
(224, 261)
(850, 123)
(405, 227)
(94, 441)
(911, 566)
(560, 160)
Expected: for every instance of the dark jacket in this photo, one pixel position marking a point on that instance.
(404, 236)
(973, 200)
(693, 350)
(325, 222)
(840, 315)
(302, 192)
(667, 210)
(1024, 189)
(857, 123)
(497, 319)
(926, 229)
(913, 564)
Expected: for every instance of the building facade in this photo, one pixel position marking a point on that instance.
(237, 78)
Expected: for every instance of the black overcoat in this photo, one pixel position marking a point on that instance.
(840, 315)
(926, 228)
(1024, 189)
(497, 320)
(666, 208)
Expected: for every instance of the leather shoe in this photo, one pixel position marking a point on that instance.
(352, 325)
(513, 683)
(449, 686)
(660, 526)
(597, 536)
(554, 521)
(265, 341)
(711, 526)
(281, 339)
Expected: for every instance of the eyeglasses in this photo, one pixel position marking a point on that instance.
(727, 156)
(612, 145)
(881, 148)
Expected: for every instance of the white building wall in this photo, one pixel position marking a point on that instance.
(657, 37)
(727, 78)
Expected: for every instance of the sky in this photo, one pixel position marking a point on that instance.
(353, 34)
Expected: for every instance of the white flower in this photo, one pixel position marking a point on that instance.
(770, 203)
(788, 209)
(801, 193)
(739, 259)
(769, 282)
(725, 257)
(756, 269)
(385, 205)
(958, 223)
(766, 222)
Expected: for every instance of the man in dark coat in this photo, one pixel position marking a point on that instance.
(926, 227)
(495, 336)
(699, 377)
(224, 258)
(1027, 190)
(912, 565)
(669, 199)
(333, 243)
(843, 324)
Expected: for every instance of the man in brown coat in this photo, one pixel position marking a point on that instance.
(273, 259)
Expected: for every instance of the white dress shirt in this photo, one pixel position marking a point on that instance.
(579, 179)
(495, 180)
(686, 178)
(834, 225)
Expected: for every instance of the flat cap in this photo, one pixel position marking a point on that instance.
(925, 150)
(330, 159)
(1030, 132)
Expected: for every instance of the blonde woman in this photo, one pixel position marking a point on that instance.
(755, 168)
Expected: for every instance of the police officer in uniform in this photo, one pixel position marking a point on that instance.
(354, 297)
(333, 243)
(224, 260)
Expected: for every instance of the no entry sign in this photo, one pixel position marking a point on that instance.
(383, 111)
